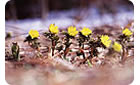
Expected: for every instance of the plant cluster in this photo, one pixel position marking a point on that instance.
(84, 39)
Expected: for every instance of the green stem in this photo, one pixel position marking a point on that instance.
(82, 45)
(81, 50)
(67, 47)
(66, 52)
(89, 63)
(91, 52)
(123, 53)
(53, 47)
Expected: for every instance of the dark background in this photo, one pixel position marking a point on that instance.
(23, 9)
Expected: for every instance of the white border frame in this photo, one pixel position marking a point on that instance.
(2, 45)
(136, 42)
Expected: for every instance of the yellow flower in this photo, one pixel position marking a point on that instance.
(33, 33)
(72, 31)
(105, 40)
(117, 47)
(53, 29)
(86, 31)
(127, 32)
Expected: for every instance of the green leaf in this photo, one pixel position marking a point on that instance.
(90, 65)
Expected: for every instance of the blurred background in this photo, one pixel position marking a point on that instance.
(23, 15)
(38, 14)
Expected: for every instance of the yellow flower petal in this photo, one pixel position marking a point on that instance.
(117, 47)
(127, 32)
(86, 31)
(72, 31)
(53, 29)
(33, 33)
(105, 40)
